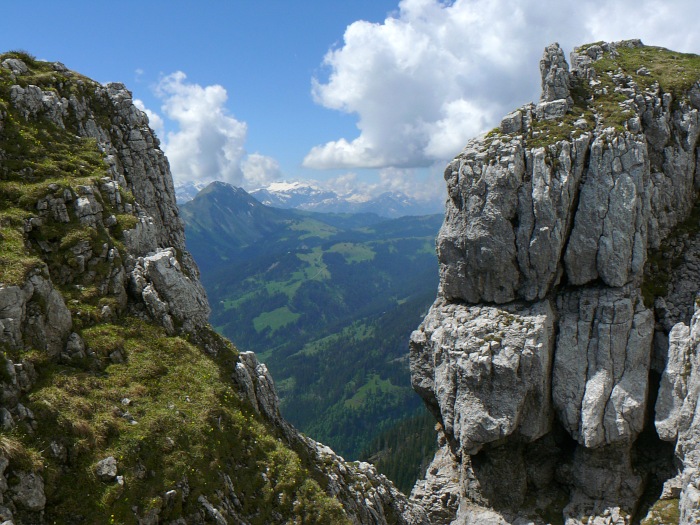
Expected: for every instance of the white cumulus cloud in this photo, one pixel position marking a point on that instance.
(260, 170)
(209, 143)
(423, 184)
(206, 143)
(438, 72)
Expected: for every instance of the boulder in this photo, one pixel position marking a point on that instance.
(106, 469)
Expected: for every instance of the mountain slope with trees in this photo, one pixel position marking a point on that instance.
(328, 302)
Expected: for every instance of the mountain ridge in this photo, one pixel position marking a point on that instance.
(311, 197)
(567, 302)
(120, 404)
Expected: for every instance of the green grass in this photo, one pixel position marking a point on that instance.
(313, 268)
(16, 260)
(675, 72)
(353, 252)
(190, 424)
(313, 229)
(373, 387)
(275, 319)
(231, 304)
(663, 512)
(289, 288)
(358, 331)
(316, 268)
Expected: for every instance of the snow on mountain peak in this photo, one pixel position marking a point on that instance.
(311, 197)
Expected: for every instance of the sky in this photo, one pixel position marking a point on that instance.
(359, 95)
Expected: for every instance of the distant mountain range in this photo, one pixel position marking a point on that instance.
(187, 191)
(327, 300)
(310, 197)
(225, 225)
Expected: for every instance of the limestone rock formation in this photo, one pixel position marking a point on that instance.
(118, 401)
(602, 364)
(460, 353)
(568, 277)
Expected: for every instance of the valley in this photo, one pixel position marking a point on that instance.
(327, 301)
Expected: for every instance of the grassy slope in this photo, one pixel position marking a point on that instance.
(187, 425)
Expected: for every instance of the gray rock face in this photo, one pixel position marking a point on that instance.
(677, 416)
(106, 469)
(508, 214)
(601, 366)
(604, 483)
(556, 81)
(28, 493)
(255, 381)
(366, 495)
(609, 238)
(34, 314)
(17, 66)
(440, 493)
(682, 344)
(460, 353)
(540, 346)
(168, 293)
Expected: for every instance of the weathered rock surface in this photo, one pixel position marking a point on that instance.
(440, 493)
(609, 238)
(111, 248)
(34, 314)
(507, 220)
(106, 469)
(28, 492)
(568, 275)
(601, 366)
(169, 294)
(677, 416)
(673, 390)
(485, 371)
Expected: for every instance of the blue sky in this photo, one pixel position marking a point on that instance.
(378, 94)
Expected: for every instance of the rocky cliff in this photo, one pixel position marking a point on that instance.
(119, 404)
(561, 355)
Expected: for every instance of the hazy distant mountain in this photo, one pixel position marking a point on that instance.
(223, 218)
(188, 191)
(305, 196)
(295, 195)
(223, 221)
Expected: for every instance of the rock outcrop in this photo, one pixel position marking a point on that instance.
(119, 403)
(568, 278)
(560, 358)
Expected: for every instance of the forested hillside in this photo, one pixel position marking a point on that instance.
(327, 301)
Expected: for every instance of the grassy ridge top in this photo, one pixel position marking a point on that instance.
(606, 100)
